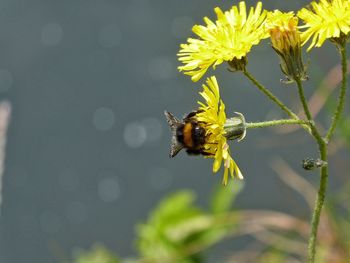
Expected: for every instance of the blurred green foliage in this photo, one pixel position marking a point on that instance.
(177, 230)
(170, 227)
(97, 254)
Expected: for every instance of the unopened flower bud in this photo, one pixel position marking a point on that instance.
(285, 39)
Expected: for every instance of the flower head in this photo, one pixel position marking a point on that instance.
(282, 28)
(229, 38)
(328, 19)
(285, 39)
(213, 118)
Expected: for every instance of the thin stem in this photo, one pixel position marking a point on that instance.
(341, 98)
(321, 195)
(270, 95)
(254, 125)
(314, 130)
(322, 143)
(324, 176)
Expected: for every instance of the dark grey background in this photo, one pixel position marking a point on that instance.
(87, 150)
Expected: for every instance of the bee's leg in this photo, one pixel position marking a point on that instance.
(193, 152)
(192, 114)
(201, 151)
(207, 153)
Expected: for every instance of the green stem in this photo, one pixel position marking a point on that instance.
(254, 125)
(323, 152)
(270, 95)
(341, 98)
(322, 145)
(314, 130)
(318, 205)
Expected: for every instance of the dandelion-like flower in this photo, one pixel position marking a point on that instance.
(228, 39)
(285, 39)
(326, 20)
(212, 116)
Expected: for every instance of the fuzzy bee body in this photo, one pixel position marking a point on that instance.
(187, 134)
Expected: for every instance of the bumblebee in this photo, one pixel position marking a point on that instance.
(187, 134)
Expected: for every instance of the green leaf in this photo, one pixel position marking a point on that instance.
(156, 240)
(98, 254)
(183, 230)
(224, 196)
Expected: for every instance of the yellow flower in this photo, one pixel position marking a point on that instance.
(230, 38)
(285, 39)
(213, 118)
(283, 30)
(326, 20)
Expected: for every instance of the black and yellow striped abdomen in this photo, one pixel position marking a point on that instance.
(192, 136)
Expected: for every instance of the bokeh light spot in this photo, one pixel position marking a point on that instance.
(51, 34)
(103, 119)
(109, 189)
(135, 135)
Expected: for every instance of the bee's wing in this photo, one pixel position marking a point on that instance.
(174, 123)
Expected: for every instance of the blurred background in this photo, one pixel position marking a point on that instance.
(87, 146)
